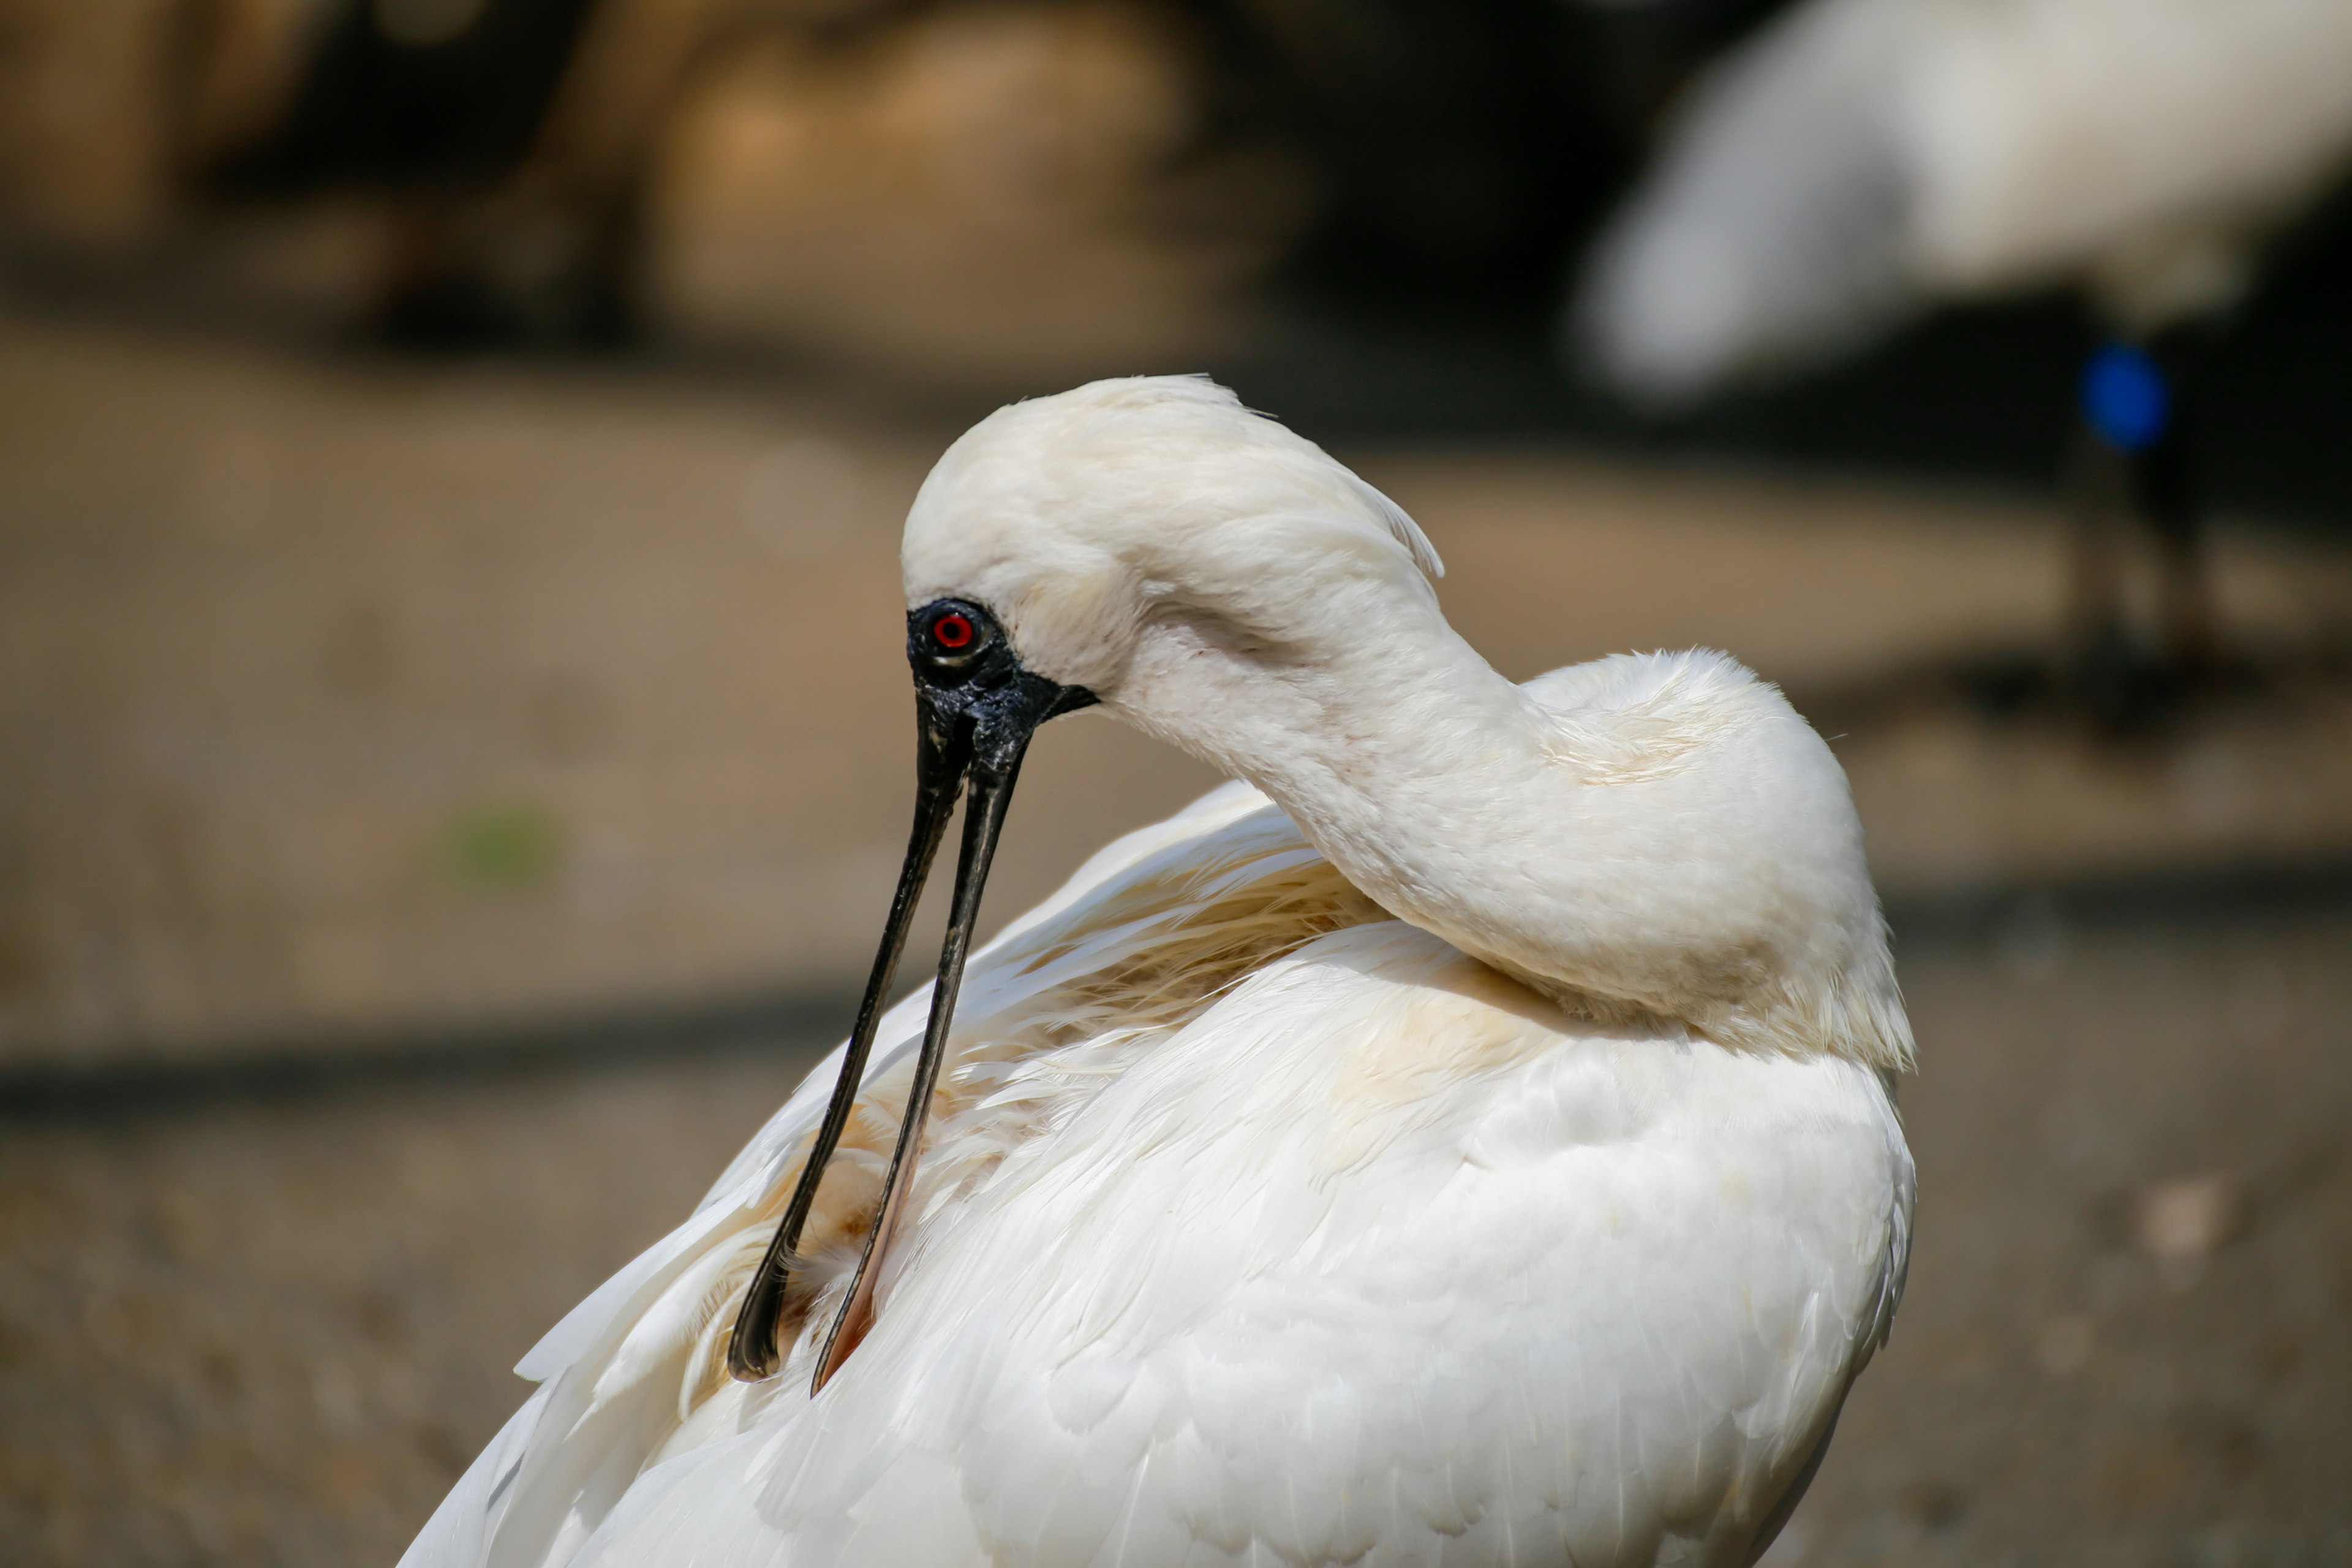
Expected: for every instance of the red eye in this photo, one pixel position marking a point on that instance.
(953, 631)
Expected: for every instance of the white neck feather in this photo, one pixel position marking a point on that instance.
(1658, 837)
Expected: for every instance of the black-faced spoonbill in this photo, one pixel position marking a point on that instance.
(1468, 1137)
(1860, 161)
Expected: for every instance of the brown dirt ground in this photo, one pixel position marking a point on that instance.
(273, 1330)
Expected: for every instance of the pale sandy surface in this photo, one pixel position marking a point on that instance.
(343, 701)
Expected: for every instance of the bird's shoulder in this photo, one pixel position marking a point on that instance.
(1635, 716)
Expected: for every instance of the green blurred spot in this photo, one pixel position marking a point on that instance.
(501, 844)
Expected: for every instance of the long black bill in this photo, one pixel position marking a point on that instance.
(976, 714)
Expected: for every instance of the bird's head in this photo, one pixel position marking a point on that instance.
(1112, 532)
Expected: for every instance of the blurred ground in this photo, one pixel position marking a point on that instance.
(273, 1330)
(350, 704)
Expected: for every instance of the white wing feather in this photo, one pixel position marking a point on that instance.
(611, 1368)
(1595, 1297)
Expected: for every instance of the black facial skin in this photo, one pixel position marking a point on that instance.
(980, 684)
(975, 710)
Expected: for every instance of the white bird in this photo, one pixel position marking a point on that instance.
(1861, 160)
(1467, 1138)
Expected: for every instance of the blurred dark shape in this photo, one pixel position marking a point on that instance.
(416, 93)
(437, 102)
(1462, 153)
(1636, 56)
(1454, 149)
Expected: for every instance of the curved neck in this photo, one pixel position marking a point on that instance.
(1684, 850)
(1424, 775)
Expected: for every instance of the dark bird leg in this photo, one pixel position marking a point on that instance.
(2170, 503)
(2098, 654)
(2134, 479)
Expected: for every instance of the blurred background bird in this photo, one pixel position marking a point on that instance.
(1860, 161)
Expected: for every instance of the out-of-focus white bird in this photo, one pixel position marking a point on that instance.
(1861, 160)
(1471, 1139)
